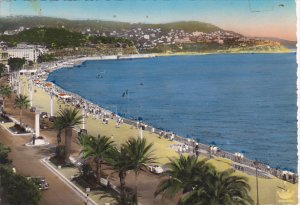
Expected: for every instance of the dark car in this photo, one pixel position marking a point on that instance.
(40, 182)
(52, 118)
(44, 115)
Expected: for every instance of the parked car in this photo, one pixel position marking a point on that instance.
(52, 118)
(156, 169)
(82, 132)
(40, 182)
(44, 115)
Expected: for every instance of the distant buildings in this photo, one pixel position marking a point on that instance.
(149, 38)
(15, 31)
(3, 55)
(29, 52)
(144, 38)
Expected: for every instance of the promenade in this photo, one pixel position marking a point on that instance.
(104, 122)
(190, 146)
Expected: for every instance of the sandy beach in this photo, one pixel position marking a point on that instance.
(268, 193)
(233, 51)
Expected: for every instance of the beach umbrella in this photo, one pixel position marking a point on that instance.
(48, 84)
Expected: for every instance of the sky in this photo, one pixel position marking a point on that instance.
(263, 18)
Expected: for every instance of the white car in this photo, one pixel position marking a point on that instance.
(156, 169)
(40, 182)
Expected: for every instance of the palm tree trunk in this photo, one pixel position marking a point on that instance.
(58, 136)
(3, 104)
(122, 187)
(136, 188)
(98, 165)
(21, 116)
(68, 143)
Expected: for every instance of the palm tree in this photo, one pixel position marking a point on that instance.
(141, 156)
(22, 102)
(120, 162)
(183, 174)
(5, 92)
(219, 188)
(96, 148)
(58, 125)
(66, 120)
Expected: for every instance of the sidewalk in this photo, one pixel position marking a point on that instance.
(27, 162)
(65, 175)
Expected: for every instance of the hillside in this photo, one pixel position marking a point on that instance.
(59, 38)
(10, 23)
(286, 43)
(67, 36)
(188, 26)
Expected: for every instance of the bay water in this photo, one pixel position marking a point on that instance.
(238, 102)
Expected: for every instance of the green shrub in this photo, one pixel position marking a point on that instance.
(17, 189)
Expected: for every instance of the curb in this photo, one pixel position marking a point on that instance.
(27, 134)
(30, 145)
(78, 191)
(10, 132)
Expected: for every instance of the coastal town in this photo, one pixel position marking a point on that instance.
(57, 147)
(158, 39)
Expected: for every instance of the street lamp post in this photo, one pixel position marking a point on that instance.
(51, 104)
(83, 118)
(37, 123)
(141, 133)
(30, 93)
(257, 197)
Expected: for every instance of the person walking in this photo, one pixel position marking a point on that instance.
(86, 199)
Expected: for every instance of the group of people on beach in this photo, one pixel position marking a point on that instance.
(184, 146)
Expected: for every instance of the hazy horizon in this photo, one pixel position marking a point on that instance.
(272, 18)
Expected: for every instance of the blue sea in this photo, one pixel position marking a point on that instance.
(239, 102)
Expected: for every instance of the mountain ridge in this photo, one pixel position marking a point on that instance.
(14, 22)
(9, 23)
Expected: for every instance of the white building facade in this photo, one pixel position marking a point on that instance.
(29, 52)
(3, 55)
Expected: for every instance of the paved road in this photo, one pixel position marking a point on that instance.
(27, 162)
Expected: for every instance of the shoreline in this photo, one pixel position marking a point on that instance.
(162, 147)
(84, 102)
(220, 53)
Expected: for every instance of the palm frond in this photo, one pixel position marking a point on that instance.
(22, 102)
(70, 117)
